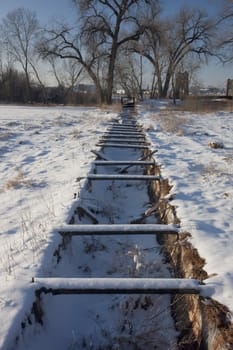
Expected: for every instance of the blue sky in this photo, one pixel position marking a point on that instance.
(211, 6)
(47, 10)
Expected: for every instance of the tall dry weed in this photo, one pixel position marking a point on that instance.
(205, 105)
(17, 181)
(172, 122)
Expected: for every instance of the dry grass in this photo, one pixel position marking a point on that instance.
(205, 105)
(76, 133)
(215, 145)
(5, 135)
(115, 107)
(150, 128)
(17, 181)
(214, 170)
(138, 328)
(210, 170)
(172, 122)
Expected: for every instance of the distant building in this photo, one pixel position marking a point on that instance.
(120, 92)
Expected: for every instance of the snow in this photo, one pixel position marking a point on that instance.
(122, 146)
(45, 153)
(116, 228)
(117, 283)
(123, 162)
(120, 320)
(42, 152)
(202, 183)
(123, 177)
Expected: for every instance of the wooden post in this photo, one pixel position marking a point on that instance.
(124, 136)
(125, 141)
(123, 162)
(100, 155)
(116, 145)
(123, 177)
(117, 229)
(69, 286)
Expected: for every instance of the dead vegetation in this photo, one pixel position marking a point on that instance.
(170, 121)
(5, 135)
(115, 107)
(215, 145)
(205, 104)
(17, 181)
(203, 323)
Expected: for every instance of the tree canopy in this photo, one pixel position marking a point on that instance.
(110, 43)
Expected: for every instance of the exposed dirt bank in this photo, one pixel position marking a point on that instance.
(202, 323)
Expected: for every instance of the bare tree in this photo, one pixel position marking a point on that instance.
(65, 42)
(168, 42)
(19, 29)
(67, 73)
(112, 23)
(224, 39)
(104, 27)
(128, 74)
(55, 69)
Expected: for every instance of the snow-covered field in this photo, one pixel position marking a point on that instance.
(44, 150)
(202, 180)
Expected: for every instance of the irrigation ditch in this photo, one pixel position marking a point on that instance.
(126, 277)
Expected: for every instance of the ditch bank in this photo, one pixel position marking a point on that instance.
(127, 322)
(124, 321)
(203, 323)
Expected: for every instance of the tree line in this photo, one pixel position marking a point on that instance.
(111, 45)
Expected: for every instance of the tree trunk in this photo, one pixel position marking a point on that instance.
(112, 60)
(110, 76)
(28, 88)
(99, 90)
(159, 79)
(166, 84)
(160, 86)
(44, 94)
